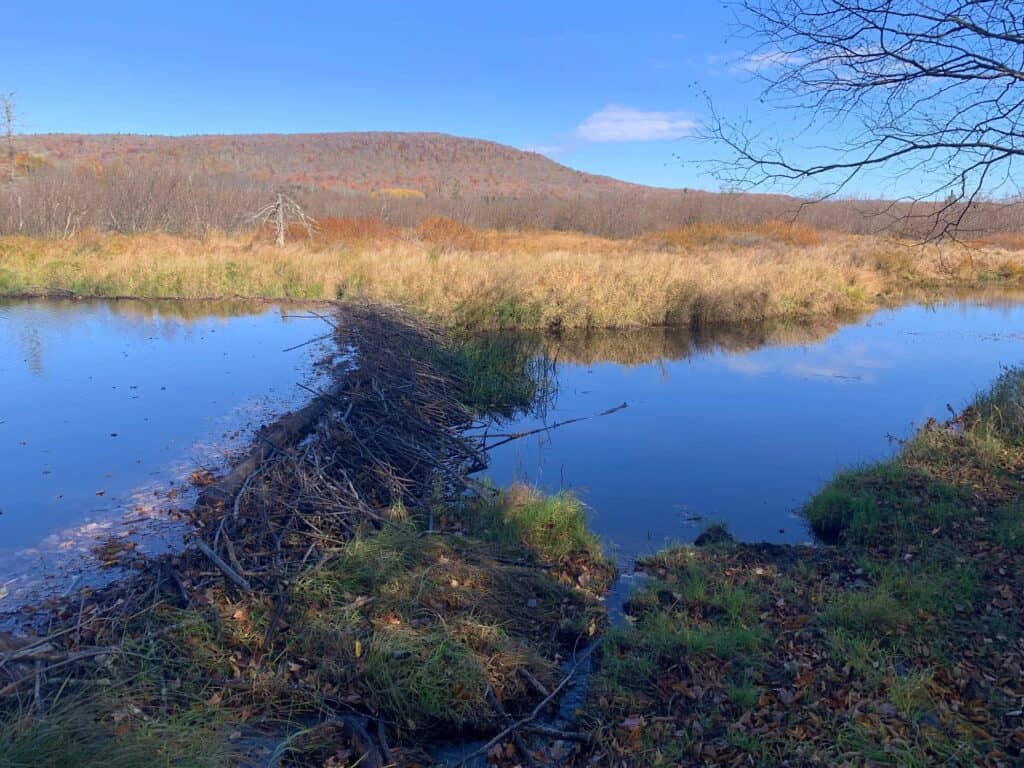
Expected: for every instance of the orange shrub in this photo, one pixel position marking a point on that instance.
(791, 233)
(706, 233)
(1008, 241)
(448, 233)
(339, 229)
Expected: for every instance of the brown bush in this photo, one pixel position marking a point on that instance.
(790, 233)
(341, 229)
(706, 233)
(448, 233)
(1007, 241)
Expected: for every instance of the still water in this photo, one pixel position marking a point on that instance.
(744, 429)
(106, 408)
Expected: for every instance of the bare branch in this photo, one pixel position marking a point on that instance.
(930, 88)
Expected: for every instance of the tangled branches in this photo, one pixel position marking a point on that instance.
(385, 442)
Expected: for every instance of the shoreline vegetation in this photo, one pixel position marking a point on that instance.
(899, 641)
(700, 275)
(366, 599)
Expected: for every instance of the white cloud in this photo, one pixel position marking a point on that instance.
(759, 62)
(620, 123)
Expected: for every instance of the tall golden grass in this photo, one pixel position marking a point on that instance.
(490, 279)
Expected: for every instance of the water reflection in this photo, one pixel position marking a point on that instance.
(743, 426)
(107, 407)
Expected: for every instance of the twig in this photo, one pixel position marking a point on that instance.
(230, 572)
(307, 343)
(524, 750)
(382, 737)
(556, 425)
(537, 684)
(275, 618)
(536, 710)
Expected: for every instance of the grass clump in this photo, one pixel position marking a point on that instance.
(422, 628)
(999, 412)
(553, 528)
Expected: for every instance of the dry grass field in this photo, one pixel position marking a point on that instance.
(701, 274)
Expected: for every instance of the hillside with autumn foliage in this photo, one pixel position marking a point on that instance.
(59, 184)
(428, 163)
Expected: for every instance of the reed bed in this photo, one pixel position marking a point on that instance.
(699, 275)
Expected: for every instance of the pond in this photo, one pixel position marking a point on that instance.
(743, 428)
(106, 408)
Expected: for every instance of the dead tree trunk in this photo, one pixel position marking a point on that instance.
(279, 214)
(8, 118)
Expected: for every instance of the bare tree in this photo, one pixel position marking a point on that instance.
(7, 124)
(282, 212)
(929, 87)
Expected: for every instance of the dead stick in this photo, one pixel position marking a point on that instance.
(524, 750)
(230, 572)
(556, 425)
(382, 737)
(536, 710)
(537, 684)
(275, 618)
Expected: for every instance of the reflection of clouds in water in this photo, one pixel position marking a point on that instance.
(851, 361)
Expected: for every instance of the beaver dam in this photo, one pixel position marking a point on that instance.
(355, 588)
(348, 593)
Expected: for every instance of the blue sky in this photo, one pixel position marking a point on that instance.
(604, 87)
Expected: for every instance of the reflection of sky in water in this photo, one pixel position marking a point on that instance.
(177, 391)
(746, 438)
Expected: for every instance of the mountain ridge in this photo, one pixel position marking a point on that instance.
(431, 163)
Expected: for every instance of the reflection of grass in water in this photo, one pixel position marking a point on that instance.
(640, 346)
(505, 374)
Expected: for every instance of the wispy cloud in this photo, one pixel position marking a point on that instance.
(620, 123)
(759, 62)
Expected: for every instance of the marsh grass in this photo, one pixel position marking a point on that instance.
(999, 412)
(708, 274)
(930, 484)
(105, 733)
